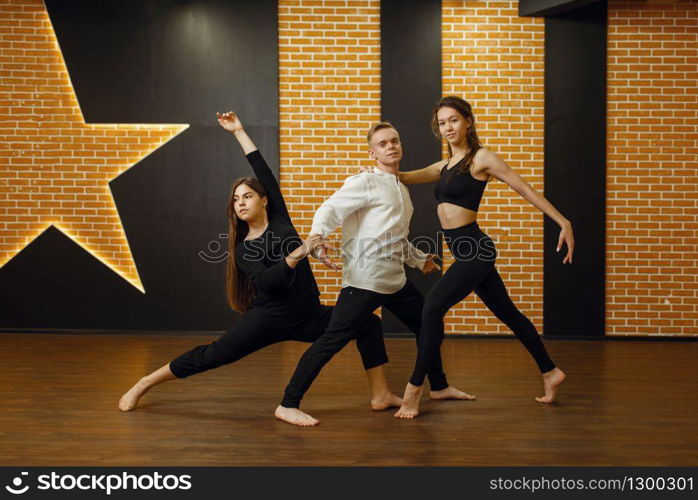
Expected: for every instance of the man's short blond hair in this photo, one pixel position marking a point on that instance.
(376, 127)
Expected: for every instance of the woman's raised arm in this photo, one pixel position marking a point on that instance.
(232, 123)
(277, 206)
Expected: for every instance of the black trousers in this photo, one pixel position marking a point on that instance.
(261, 327)
(353, 306)
(473, 270)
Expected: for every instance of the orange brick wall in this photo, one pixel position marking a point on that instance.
(54, 168)
(652, 180)
(329, 95)
(494, 59)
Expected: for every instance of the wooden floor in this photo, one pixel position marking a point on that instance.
(624, 403)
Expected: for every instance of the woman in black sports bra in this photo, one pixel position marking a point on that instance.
(461, 182)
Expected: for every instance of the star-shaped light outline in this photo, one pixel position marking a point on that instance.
(30, 237)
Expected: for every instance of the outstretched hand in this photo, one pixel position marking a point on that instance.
(566, 237)
(312, 243)
(430, 264)
(229, 121)
(322, 253)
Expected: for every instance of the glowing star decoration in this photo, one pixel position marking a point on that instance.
(55, 168)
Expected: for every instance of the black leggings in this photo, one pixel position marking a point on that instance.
(353, 306)
(261, 327)
(473, 270)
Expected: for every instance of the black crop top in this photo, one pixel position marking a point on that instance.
(459, 188)
(263, 259)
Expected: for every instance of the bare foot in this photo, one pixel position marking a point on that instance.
(129, 401)
(385, 401)
(410, 402)
(551, 381)
(295, 416)
(451, 393)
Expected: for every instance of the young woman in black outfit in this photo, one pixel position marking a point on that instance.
(461, 182)
(270, 281)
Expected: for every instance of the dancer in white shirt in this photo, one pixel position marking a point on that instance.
(374, 212)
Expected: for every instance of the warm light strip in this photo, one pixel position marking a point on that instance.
(176, 129)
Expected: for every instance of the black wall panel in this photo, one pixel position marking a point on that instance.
(156, 61)
(410, 86)
(575, 169)
(550, 7)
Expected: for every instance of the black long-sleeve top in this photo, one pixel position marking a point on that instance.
(263, 259)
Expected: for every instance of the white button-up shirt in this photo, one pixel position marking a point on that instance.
(374, 211)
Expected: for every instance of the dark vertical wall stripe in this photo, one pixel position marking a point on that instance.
(549, 7)
(156, 61)
(575, 168)
(410, 85)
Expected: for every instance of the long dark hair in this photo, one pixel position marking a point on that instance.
(239, 290)
(466, 111)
